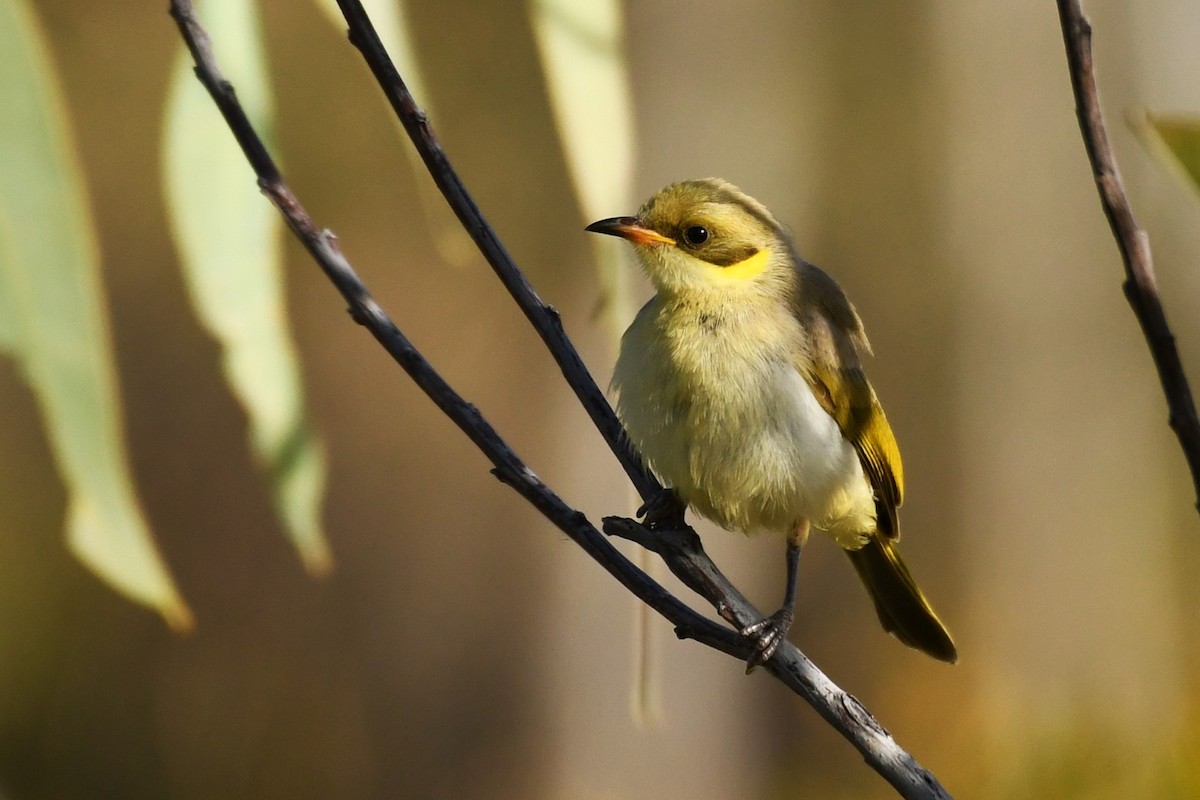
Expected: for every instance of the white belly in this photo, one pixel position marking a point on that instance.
(738, 433)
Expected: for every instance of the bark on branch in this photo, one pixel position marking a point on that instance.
(680, 549)
(1141, 287)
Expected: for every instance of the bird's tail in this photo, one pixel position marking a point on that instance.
(901, 607)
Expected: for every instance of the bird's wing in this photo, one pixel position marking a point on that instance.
(835, 375)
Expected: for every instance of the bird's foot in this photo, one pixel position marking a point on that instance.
(664, 510)
(766, 635)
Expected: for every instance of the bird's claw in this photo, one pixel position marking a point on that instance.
(664, 510)
(767, 634)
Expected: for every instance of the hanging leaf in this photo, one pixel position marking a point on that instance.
(230, 246)
(583, 59)
(588, 83)
(390, 20)
(1175, 141)
(53, 321)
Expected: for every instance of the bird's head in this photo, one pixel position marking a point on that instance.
(702, 234)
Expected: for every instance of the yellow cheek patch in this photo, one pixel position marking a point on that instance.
(745, 269)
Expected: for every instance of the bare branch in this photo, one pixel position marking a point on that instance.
(1141, 287)
(680, 549)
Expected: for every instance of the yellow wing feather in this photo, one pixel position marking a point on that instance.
(832, 369)
(847, 396)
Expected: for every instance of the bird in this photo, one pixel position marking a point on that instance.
(741, 385)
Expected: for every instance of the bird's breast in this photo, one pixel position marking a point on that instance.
(712, 399)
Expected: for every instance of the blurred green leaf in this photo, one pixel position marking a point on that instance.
(1175, 141)
(583, 59)
(586, 76)
(390, 20)
(229, 241)
(54, 321)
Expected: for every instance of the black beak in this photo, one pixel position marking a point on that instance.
(630, 228)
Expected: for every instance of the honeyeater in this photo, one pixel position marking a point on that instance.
(741, 384)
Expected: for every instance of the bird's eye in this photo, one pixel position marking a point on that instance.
(696, 235)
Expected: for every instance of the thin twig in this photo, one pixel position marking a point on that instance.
(680, 550)
(1141, 287)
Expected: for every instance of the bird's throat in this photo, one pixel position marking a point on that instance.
(746, 269)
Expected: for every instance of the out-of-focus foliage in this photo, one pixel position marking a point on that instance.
(228, 237)
(583, 57)
(53, 320)
(1176, 141)
(390, 20)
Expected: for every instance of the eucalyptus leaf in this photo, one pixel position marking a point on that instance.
(230, 247)
(390, 19)
(1175, 141)
(587, 80)
(588, 83)
(55, 325)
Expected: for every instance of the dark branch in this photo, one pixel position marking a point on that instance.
(684, 557)
(1141, 287)
(680, 550)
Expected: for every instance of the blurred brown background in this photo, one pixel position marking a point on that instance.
(926, 154)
